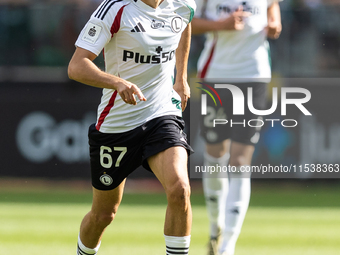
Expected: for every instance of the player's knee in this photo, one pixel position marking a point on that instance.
(241, 155)
(179, 194)
(102, 219)
(217, 150)
(239, 160)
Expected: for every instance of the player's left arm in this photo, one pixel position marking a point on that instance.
(274, 27)
(182, 53)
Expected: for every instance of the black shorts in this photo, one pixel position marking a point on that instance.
(234, 129)
(115, 156)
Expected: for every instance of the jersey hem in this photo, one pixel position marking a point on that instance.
(110, 131)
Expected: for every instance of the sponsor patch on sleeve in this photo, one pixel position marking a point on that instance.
(91, 33)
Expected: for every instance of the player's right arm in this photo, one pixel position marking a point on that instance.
(82, 69)
(234, 22)
(103, 24)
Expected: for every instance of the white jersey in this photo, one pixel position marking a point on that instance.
(235, 54)
(139, 45)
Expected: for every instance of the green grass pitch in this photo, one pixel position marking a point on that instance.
(281, 220)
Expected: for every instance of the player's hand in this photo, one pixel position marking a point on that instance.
(128, 90)
(183, 90)
(273, 29)
(235, 21)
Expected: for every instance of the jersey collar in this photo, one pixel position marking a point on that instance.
(148, 8)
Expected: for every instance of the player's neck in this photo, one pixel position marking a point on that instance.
(153, 3)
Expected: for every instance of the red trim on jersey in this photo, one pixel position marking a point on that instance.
(116, 23)
(114, 29)
(106, 110)
(203, 73)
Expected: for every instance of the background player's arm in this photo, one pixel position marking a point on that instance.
(274, 27)
(234, 22)
(182, 53)
(82, 69)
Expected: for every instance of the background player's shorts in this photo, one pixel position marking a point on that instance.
(242, 133)
(115, 156)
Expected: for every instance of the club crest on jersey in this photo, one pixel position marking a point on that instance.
(106, 179)
(155, 24)
(176, 24)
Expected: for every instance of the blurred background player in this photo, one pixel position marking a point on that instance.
(236, 50)
(139, 118)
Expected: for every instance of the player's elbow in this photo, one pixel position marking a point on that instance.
(72, 71)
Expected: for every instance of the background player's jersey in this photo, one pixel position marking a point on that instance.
(235, 54)
(139, 45)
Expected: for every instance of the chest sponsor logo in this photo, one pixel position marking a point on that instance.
(161, 57)
(155, 24)
(176, 24)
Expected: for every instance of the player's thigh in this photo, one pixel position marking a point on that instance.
(166, 150)
(107, 201)
(170, 166)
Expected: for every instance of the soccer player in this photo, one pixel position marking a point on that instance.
(236, 52)
(139, 117)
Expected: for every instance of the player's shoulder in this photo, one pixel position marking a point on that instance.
(270, 2)
(185, 8)
(109, 9)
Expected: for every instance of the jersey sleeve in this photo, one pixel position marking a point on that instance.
(98, 31)
(186, 10)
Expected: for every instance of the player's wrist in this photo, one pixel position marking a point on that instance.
(117, 84)
(181, 76)
(181, 81)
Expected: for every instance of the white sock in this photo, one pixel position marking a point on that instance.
(177, 244)
(236, 208)
(215, 189)
(83, 250)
